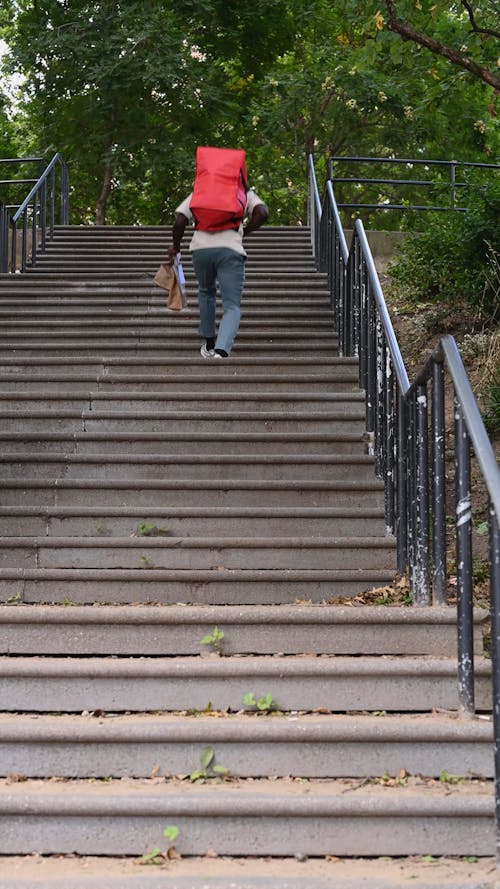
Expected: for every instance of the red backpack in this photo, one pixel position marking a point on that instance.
(220, 189)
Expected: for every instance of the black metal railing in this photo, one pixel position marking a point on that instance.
(35, 215)
(406, 433)
(440, 180)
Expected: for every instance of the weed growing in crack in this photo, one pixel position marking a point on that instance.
(208, 768)
(214, 639)
(156, 855)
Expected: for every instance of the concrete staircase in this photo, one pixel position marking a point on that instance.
(151, 500)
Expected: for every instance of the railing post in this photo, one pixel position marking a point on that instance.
(379, 399)
(24, 244)
(422, 591)
(389, 444)
(401, 483)
(371, 363)
(411, 488)
(439, 486)
(13, 248)
(494, 527)
(43, 215)
(453, 177)
(464, 566)
(34, 230)
(4, 239)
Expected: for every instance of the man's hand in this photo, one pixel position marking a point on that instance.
(177, 233)
(258, 218)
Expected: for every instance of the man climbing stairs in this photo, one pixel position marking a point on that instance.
(185, 548)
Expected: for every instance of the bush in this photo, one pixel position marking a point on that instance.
(451, 261)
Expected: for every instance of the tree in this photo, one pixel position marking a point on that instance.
(348, 87)
(125, 90)
(486, 36)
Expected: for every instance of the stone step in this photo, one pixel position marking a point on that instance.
(155, 630)
(179, 367)
(230, 443)
(136, 258)
(305, 682)
(184, 553)
(164, 331)
(159, 493)
(86, 872)
(260, 817)
(339, 420)
(18, 521)
(184, 322)
(171, 399)
(154, 348)
(137, 312)
(171, 465)
(169, 587)
(124, 289)
(82, 382)
(298, 745)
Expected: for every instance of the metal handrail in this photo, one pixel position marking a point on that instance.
(451, 165)
(408, 442)
(39, 204)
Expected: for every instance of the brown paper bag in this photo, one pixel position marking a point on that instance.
(166, 278)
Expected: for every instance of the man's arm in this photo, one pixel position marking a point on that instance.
(178, 229)
(258, 218)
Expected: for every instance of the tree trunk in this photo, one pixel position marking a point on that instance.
(100, 210)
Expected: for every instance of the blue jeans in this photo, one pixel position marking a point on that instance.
(228, 268)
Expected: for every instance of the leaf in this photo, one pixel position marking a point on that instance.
(266, 702)
(206, 757)
(150, 857)
(220, 770)
(249, 700)
(171, 832)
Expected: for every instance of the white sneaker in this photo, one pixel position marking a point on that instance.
(207, 353)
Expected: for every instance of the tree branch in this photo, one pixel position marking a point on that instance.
(475, 27)
(408, 32)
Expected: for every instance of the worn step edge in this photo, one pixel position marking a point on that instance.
(127, 684)
(187, 483)
(281, 667)
(365, 615)
(132, 586)
(163, 543)
(242, 396)
(263, 818)
(177, 630)
(187, 459)
(36, 872)
(190, 511)
(355, 413)
(248, 746)
(171, 361)
(216, 435)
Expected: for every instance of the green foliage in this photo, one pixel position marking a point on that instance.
(149, 529)
(127, 90)
(449, 263)
(156, 855)
(208, 769)
(492, 413)
(214, 639)
(264, 704)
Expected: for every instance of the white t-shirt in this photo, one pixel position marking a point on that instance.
(228, 238)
